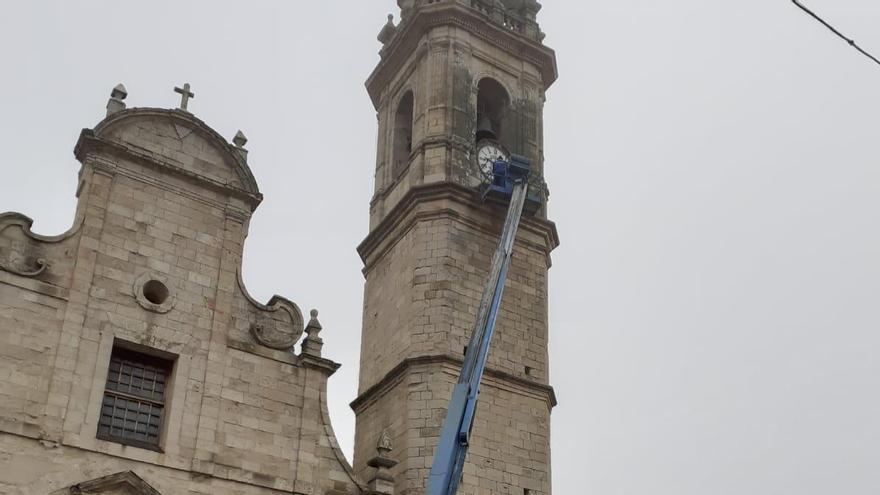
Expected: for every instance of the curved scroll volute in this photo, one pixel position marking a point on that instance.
(276, 325)
(26, 254)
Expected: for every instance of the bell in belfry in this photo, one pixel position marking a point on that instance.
(485, 129)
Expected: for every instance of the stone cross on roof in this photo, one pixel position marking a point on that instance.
(185, 95)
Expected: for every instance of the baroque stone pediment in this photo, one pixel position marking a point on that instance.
(176, 141)
(123, 483)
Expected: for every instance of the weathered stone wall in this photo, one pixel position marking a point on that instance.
(424, 290)
(32, 469)
(162, 198)
(28, 343)
(423, 293)
(509, 449)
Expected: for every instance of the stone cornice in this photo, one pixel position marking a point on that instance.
(323, 365)
(420, 149)
(90, 144)
(412, 30)
(404, 216)
(32, 285)
(492, 375)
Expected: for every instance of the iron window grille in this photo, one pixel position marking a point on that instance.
(133, 407)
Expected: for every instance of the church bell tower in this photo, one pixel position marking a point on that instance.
(460, 84)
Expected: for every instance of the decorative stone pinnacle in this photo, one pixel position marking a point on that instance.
(116, 104)
(497, 10)
(388, 31)
(240, 139)
(185, 95)
(517, 16)
(406, 7)
(384, 445)
(119, 92)
(382, 482)
(313, 343)
(532, 8)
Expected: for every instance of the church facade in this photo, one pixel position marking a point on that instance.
(134, 361)
(132, 355)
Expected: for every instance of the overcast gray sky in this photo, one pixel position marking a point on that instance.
(714, 173)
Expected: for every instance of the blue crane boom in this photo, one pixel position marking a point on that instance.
(510, 179)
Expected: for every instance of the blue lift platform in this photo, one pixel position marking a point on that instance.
(509, 184)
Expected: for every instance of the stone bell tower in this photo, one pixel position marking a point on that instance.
(460, 83)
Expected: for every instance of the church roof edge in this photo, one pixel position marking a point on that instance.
(231, 155)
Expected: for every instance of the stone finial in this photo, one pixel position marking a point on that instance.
(119, 92)
(116, 103)
(498, 10)
(532, 7)
(239, 141)
(382, 483)
(312, 344)
(406, 7)
(384, 445)
(388, 31)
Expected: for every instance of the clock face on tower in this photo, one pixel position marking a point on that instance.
(488, 152)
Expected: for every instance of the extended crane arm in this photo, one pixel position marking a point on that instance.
(509, 179)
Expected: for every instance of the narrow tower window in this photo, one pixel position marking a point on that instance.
(492, 102)
(403, 133)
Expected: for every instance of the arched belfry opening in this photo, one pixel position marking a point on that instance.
(403, 133)
(492, 104)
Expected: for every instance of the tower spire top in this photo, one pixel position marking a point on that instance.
(518, 16)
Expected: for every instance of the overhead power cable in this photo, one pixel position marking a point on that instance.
(851, 42)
